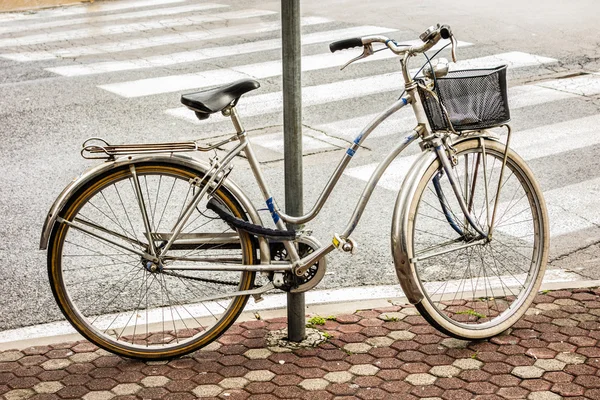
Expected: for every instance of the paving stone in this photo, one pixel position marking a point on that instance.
(481, 388)
(544, 395)
(260, 375)
(380, 341)
(571, 358)
(444, 371)
(588, 381)
(258, 353)
(207, 390)
(155, 381)
(357, 348)
(420, 379)
(19, 394)
(11, 355)
(55, 364)
(347, 319)
(527, 372)
(547, 306)
(513, 392)
(536, 385)
(126, 388)
(392, 316)
(314, 384)
(233, 383)
(48, 387)
(467, 363)
(99, 395)
(401, 335)
(338, 377)
(568, 389)
(83, 357)
(453, 343)
(541, 352)
(550, 364)
(364, 369)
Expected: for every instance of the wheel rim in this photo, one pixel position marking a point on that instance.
(115, 298)
(483, 286)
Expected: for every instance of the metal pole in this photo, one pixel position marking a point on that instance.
(292, 142)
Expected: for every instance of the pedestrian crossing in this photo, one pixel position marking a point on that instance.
(135, 49)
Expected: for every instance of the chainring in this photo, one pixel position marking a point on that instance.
(312, 276)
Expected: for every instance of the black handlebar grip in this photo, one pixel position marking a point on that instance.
(445, 32)
(345, 44)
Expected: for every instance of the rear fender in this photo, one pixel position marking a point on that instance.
(178, 160)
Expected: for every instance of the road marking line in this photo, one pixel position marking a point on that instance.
(163, 40)
(275, 301)
(108, 30)
(209, 53)
(352, 88)
(113, 17)
(85, 9)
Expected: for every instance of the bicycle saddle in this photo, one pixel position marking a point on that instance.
(210, 101)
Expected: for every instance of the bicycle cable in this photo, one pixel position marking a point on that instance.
(423, 66)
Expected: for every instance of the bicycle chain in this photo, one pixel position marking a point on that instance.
(208, 280)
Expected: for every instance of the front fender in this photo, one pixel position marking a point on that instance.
(179, 160)
(401, 240)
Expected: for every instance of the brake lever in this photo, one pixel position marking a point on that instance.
(367, 51)
(454, 45)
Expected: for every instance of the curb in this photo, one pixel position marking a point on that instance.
(322, 302)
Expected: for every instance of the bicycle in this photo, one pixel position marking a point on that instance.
(154, 254)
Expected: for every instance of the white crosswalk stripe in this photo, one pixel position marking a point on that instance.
(163, 40)
(208, 53)
(174, 83)
(112, 17)
(107, 30)
(84, 9)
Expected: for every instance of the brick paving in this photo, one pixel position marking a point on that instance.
(387, 353)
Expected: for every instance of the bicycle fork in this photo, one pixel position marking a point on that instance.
(441, 148)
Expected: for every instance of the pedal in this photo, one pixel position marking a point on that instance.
(346, 245)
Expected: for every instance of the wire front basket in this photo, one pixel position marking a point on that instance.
(472, 100)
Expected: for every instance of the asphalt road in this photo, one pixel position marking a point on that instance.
(54, 94)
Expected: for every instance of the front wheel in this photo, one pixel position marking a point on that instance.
(122, 301)
(476, 287)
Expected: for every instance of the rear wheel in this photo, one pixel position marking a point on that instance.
(122, 301)
(475, 287)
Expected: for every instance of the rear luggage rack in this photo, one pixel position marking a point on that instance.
(98, 148)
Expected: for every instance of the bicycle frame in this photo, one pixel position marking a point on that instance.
(216, 174)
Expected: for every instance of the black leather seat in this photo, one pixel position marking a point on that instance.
(210, 101)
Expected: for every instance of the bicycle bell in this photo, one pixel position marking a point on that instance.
(439, 67)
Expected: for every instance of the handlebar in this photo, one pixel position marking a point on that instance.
(345, 44)
(430, 38)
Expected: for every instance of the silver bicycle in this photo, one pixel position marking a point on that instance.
(153, 254)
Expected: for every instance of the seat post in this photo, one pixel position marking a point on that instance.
(235, 119)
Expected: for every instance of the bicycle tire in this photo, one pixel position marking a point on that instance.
(84, 269)
(510, 262)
